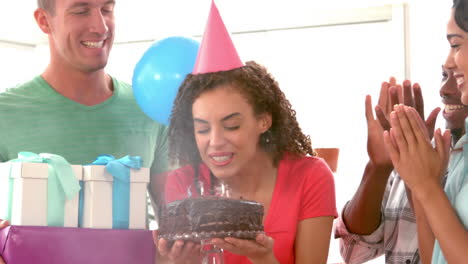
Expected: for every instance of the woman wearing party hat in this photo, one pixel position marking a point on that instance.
(231, 123)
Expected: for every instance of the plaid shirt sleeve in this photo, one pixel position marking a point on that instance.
(359, 248)
(395, 237)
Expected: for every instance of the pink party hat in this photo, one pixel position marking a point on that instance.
(217, 52)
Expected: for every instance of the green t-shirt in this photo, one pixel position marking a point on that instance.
(35, 118)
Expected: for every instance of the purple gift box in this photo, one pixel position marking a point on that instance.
(59, 245)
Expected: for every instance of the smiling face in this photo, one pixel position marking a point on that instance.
(227, 131)
(81, 33)
(454, 111)
(457, 59)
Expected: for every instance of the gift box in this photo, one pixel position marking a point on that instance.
(25, 196)
(59, 245)
(100, 204)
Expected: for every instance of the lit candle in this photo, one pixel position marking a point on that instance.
(202, 190)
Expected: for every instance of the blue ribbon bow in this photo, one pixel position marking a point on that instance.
(120, 170)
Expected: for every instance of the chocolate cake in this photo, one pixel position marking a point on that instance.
(208, 217)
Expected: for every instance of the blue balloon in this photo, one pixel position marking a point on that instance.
(159, 73)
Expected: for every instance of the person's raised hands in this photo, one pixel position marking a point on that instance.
(407, 94)
(375, 144)
(378, 157)
(419, 164)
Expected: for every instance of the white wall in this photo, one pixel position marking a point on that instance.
(429, 48)
(16, 64)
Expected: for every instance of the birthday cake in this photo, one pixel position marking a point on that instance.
(208, 217)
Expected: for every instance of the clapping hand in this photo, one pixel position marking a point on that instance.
(419, 163)
(392, 94)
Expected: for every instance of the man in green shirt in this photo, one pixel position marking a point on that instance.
(74, 109)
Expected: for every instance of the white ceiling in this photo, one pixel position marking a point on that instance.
(153, 19)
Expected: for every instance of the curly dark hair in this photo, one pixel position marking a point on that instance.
(264, 95)
(461, 13)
